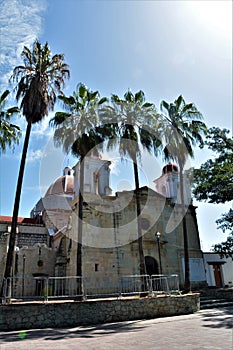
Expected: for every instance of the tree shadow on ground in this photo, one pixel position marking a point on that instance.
(221, 318)
(71, 332)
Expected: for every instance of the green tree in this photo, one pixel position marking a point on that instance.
(137, 123)
(78, 130)
(213, 182)
(226, 224)
(38, 80)
(214, 179)
(9, 133)
(183, 129)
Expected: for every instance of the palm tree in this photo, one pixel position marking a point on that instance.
(38, 81)
(137, 126)
(183, 128)
(9, 133)
(78, 131)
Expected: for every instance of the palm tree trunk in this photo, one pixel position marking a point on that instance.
(80, 228)
(139, 226)
(187, 284)
(11, 248)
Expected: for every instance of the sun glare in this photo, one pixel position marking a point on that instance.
(214, 14)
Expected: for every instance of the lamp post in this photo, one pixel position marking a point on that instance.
(158, 235)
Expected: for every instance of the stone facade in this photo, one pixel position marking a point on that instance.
(110, 246)
(33, 257)
(3, 251)
(110, 242)
(33, 265)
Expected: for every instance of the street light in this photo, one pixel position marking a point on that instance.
(158, 235)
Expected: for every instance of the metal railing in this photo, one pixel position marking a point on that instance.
(105, 286)
(60, 287)
(173, 283)
(134, 285)
(159, 284)
(44, 288)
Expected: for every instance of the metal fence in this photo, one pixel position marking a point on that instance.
(88, 287)
(105, 286)
(134, 285)
(159, 284)
(173, 283)
(59, 287)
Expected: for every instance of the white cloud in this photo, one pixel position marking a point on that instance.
(21, 23)
(42, 128)
(34, 156)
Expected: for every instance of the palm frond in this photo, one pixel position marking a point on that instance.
(9, 132)
(39, 80)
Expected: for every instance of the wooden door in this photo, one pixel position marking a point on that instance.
(217, 275)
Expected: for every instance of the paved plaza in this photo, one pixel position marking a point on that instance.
(205, 330)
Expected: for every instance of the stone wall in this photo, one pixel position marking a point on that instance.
(227, 294)
(33, 262)
(70, 314)
(222, 293)
(32, 242)
(3, 252)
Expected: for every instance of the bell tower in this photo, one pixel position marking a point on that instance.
(68, 171)
(168, 183)
(96, 176)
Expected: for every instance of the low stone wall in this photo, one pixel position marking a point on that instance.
(70, 314)
(224, 293)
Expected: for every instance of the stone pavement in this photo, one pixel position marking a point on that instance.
(205, 330)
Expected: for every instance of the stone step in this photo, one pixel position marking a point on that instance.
(212, 301)
(215, 303)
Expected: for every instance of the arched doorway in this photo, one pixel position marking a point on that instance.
(152, 267)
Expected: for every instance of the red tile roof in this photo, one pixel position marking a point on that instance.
(20, 220)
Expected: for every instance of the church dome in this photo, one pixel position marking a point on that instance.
(63, 185)
(169, 168)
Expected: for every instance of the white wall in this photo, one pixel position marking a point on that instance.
(226, 269)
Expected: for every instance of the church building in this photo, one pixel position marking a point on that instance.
(110, 248)
(110, 235)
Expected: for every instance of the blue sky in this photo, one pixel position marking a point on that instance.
(165, 48)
